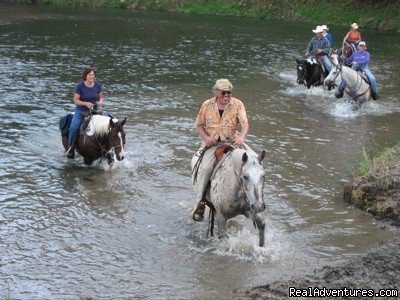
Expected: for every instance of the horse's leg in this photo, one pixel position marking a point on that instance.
(261, 228)
(221, 225)
(110, 157)
(87, 161)
(260, 224)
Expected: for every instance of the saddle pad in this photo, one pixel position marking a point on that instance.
(65, 122)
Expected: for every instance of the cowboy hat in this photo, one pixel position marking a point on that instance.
(318, 29)
(324, 27)
(354, 25)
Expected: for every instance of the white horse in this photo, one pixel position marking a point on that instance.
(237, 189)
(357, 88)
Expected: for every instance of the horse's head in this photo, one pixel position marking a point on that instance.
(117, 137)
(301, 70)
(252, 178)
(334, 57)
(348, 49)
(334, 73)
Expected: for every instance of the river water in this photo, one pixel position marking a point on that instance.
(70, 231)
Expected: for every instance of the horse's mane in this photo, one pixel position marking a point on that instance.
(99, 125)
(312, 61)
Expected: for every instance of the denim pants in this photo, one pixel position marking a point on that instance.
(327, 63)
(367, 72)
(76, 123)
(371, 78)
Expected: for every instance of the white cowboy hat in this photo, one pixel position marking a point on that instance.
(324, 27)
(354, 25)
(223, 85)
(318, 29)
(362, 43)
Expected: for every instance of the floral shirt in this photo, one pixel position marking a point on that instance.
(221, 128)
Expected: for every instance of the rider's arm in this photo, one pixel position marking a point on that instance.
(77, 101)
(239, 141)
(359, 37)
(309, 47)
(101, 99)
(325, 47)
(363, 60)
(206, 138)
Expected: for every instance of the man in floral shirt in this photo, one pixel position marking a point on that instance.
(218, 121)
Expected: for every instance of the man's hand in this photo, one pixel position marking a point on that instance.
(209, 141)
(239, 142)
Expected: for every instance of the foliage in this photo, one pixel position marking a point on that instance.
(379, 14)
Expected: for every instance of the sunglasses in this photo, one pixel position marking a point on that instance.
(223, 93)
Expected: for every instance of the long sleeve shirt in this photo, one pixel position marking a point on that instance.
(316, 44)
(361, 57)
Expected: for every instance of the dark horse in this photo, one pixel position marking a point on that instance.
(99, 137)
(309, 72)
(347, 50)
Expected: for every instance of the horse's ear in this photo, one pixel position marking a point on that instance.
(261, 156)
(298, 61)
(244, 158)
(123, 122)
(111, 122)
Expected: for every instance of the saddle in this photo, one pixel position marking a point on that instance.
(220, 155)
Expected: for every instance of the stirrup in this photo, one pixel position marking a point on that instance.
(197, 214)
(70, 152)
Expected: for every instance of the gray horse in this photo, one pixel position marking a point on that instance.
(237, 189)
(357, 88)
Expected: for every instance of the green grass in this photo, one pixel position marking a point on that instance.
(376, 161)
(379, 14)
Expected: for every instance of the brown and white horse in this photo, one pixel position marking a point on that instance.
(102, 138)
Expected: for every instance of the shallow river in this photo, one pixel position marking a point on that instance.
(70, 231)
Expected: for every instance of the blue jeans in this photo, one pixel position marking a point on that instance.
(327, 63)
(76, 123)
(367, 72)
(370, 76)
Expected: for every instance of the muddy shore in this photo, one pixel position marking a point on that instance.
(375, 270)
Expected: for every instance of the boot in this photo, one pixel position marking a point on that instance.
(71, 150)
(339, 94)
(374, 95)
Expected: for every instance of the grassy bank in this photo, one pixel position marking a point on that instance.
(377, 14)
(377, 162)
(376, 184)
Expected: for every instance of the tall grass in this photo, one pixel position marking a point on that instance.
(379, 163)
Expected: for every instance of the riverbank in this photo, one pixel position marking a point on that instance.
(376, 270)
(382, 15)
(376, 190)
